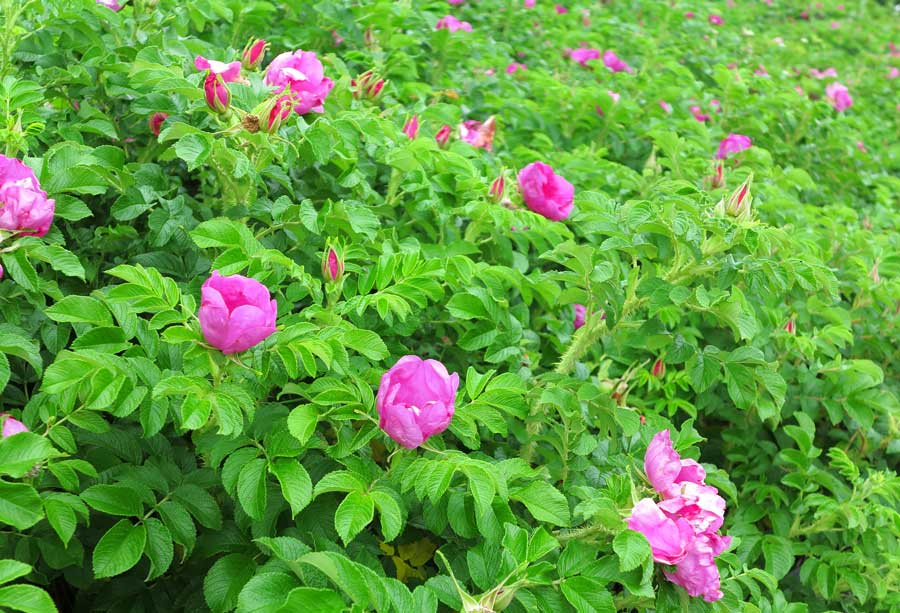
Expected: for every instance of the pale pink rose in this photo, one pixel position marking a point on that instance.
(733, 143)
(669, 537)
(449, 22)
(839, 96)
(24, 206)
(545, 192)
(893, 72)
(236, 312)
(11, 425)
(416, 400)
(697, 572)
(583, 55)
(302, 75)
(230, 72)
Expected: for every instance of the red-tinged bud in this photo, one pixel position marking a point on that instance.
(443, 135)
(738, 203)
(156, 121)
(216, 92)
(659, 368)
(790, 327)
(411, 127)
(332, 266)
(497, 188)
(278, 109)
(253, 54)
(643, 420)
(717, 179)
(374, 90)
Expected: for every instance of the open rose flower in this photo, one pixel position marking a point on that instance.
(583, 55)
(416, 400)
(697, 572)
(302, 74)
(669, 538)
(236, 313)
(110, 4)
(11, 425)
(477, 133)
(615, 63)
(230, 72)
(24, 206)
(733, 143)
(449, 22)
(839, 96)
(545, 192)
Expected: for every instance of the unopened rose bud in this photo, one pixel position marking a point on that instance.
(216, 92)
(497, 188)
(411, 127)
(275, 112)
(717, 179)
(156, 121)
(443, 135)
(790, 327)
(659, 368)
(253, 54)
(738, 204)
(332, 266)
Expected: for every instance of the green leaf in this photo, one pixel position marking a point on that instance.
(778, 554)
(390, 513)
(200, 504)
(179, 523)
(194, 149)
(80, 309)
(12, 569)
(313, 600)
(20, 453)
(302, 422)
(17, 266)
(225, 580)
(160, 550)
(265, 593)
(27, 598)
(588, 595)
(61, 518)
(113, 500)
(354, 513)
(544, 502)
(296, 486)
(367, 343)
(632, 548)
(251, 488)
(119, 549)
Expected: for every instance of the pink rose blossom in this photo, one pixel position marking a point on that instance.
(580, 312)
(416, 400)
(700, 505)
(236, 312)
(664, 467)
(530, 3)
(665, 106)
(514, 67)
(716, 20)
(835, 25)
(110, 4)
(669, 537)
(301, 73)
(411, 127)
(893, 72)
(456, 2)
(733, 143)
(230, 72)
(615, 63)
(561, 10)
(861, 146)
(11, 425)
(823, 74)
(449, 22)
(583, 55)
(545, 192)
(698, 114)
(477, 133)
(24, 206)
(839, 96)
(697, 572)
(761, 71)
(689, 15)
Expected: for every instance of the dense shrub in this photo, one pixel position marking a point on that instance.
(595, 222)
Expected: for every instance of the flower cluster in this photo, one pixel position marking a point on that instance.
(683, 527)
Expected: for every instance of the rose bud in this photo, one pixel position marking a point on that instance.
(253, 54)
(497, 188)
(738, 203)
(236, 313)
(580, 313)
(416, 400)
(411, 127)
(11, 425)
(216, 93)
(277, 110)
(659, 368)
(24, 206)
(156, 121)
(545, 192)
(443, 135)
(790, 327)
(332, 265)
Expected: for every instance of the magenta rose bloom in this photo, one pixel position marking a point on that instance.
(416, 400)
(700, 505)
(584, 55)
(110, 4)
(615, 63)
(236, 313)
(230, 72)
(449, 22)
(11, 425)
(664, 467)
(24, 206)
(545, 192)
(302, 74)
(697, 572)
(839, 96)
(669, 537)
(733, 143)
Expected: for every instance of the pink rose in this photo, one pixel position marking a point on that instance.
(11, 425)
(839, 96)
(443, 135)
(561, 10)
(893, 72)
(545, 192)
(698, 114)
(515, 66)
(230, 72)
(716, 20)
(530, 3)
(416, 400)
(615, 63)
(236, 313)
(110, 4)
(24, 206)
(156, 121)
(411, 127)
(664, 467)
(669, 537)
(733, 143)
(823, 74)
(478, 134)
(700, 505)
(697, 572)
(301, 73)
(583, 55)
(456, 1)
(580, 313)
(216, 93)
(665, 106)
(332, 265)
(449, 22)
(253, 54)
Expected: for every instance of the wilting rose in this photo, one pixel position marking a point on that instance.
(416, 400)
(236, 312)
(477, 133)
(24, 206)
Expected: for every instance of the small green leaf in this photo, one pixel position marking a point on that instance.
(160, 550)
(302, 422)
(632, 548)
(80, 309)
(113, 500)
(225, 580)
(353, 514)
(12, 569)
(119, 549)
(544, 502)
(26, 598)
(296, 486)
(251, 488)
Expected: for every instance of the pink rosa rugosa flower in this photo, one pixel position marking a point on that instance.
(416, 400)
(615, 63)
(216, 92)
(839, 96)
(230, 72)
(253, 54)
(11, 425)
(698, 114)
(697, 571)
(733, 143)
(545, 192)
(700, 505)
(893, 73)
(156, 121)
(477, 133)
(456, 2)
(716, 20)
(530, 3)
(332, 265)
(411, 127)
(664, 467)
(561, 10)
(514, 67)
(583, 55)
(24, 206)
(669, 537)
(302, 74)
(580, 313)
(443, 135)
(498, 187)
(236, 313)
(110, 4)
(449, 22)
(1, 271)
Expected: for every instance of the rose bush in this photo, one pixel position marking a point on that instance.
(319, 306)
